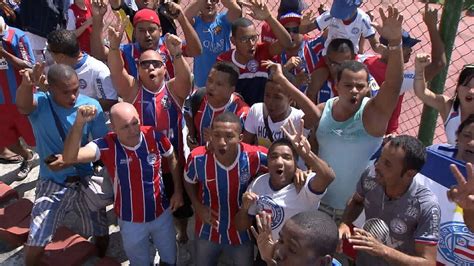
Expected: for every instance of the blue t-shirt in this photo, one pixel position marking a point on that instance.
(215, 39)
(48, 138)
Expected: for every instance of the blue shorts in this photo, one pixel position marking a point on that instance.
(53, 201)
(208, 252)
(135, 238)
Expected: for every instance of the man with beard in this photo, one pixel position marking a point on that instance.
(147, 35)
(216, 176)
(249, 54)
(390, 192)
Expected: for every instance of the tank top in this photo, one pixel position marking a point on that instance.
(347, 148)
(451, 125)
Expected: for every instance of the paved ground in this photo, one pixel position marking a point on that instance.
(26, 189)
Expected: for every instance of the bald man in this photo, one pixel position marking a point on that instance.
(132, 154)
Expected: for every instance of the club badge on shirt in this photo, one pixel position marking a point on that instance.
(252, 65)
(3, 64)
(165, 103)
(151, 159)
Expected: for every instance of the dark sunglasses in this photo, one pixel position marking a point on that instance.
(147, 63)
(292, 29)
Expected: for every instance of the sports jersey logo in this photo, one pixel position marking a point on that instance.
(165, 103)
(355, 31)
(268, 205)
(456, 243)
(151, 159)
(398, 226)
(252, 65)
(82, 84)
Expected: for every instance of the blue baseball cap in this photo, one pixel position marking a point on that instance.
(344, 9)
(407, 40)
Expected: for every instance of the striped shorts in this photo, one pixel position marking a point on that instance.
(53, 201)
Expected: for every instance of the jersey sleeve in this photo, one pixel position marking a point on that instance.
(309, 194)
(250, 124)
(365, 183)
(262, 157)
(427, 231)
(94, 145)
(25, 49)
(190, 173)
(367, 30)
(373, 86)
(323, 20)
(103, 83)
(71, 20)
(164, 144)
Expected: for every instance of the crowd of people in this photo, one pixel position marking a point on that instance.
(273, 138)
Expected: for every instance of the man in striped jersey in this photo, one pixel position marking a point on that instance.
(216, 178)
(133, 154)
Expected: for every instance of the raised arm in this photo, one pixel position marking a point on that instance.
(123, 82)
(25, 101)
(193, 44)
(463, 193)
(181, 84)
(380, 108)
(312, 113)
(18, 62)
(98, 49)
(193, 9)
(324, 173)
(234, 11)
(259, 11)
(73, 153)
(438, 54)
(437, 101)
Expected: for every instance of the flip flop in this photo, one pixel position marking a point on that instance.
(11, 160)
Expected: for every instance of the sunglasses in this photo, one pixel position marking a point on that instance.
(292, 29)
(147, 63)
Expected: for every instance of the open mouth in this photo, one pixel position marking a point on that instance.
(221, 151)
(353, 99)
(152, 76)
(279, 171)
(468, 98)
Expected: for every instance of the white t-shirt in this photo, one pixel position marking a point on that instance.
(94, 79)
(337, 29)
(255, 124)
(284, 203)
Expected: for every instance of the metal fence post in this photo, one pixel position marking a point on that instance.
(448, 29)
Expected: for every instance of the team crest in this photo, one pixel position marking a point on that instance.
(82, 84)
(217, 30)
(355, 31)
(165, 103)
(252, 65)
(151, 159)
(398, 226)
(456, 243)
(266, 204)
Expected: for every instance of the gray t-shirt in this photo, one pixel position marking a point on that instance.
(412, 218)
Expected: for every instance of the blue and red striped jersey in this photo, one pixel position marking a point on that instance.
(16, 43)
(206, 114)
(136, 174)
(160, 110)
(221, 188)
(131, 54)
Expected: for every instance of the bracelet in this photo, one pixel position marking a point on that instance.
(394, 47)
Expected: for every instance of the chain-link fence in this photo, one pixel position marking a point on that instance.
(413, 23)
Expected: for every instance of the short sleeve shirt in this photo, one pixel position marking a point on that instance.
(337, 29)
(413, 218)
(94, 78)
(284, 203)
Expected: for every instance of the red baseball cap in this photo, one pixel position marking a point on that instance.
(147, 15)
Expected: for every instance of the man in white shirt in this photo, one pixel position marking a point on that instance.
(94, 75)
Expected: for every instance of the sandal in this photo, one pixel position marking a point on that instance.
(11, 160)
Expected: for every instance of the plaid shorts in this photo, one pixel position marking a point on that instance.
(53, 201)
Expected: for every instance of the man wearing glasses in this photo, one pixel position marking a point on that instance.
(248, 53)
(158, 102)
